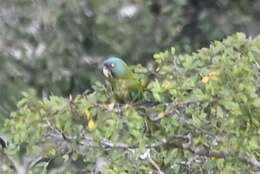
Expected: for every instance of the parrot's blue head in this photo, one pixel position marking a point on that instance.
(114, 67)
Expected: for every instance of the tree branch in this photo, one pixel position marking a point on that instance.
(183, 142)
(147, 156)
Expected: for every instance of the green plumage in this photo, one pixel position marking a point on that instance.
(126, 85)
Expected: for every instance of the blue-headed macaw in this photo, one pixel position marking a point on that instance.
(126, 85)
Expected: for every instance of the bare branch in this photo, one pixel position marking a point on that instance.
(179, 142)
(147, 156)
(172, 108)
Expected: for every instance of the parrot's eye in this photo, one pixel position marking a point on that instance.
(112, 65)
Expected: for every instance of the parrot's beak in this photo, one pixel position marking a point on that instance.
(106, 71)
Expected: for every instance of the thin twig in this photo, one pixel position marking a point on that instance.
(171, 109)
(179, 142)
(147, 156)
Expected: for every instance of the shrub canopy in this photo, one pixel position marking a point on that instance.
(200, 115)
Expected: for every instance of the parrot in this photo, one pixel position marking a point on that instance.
(125, 84)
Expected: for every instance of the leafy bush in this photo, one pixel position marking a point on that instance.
(203, 117)
(54, 46)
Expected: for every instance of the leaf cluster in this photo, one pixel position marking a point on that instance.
(203, 117)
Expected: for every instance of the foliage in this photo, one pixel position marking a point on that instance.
(203, 118)
(54, 46)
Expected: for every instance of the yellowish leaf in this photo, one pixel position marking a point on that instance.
(162, 114)
(167, 84)
(205, 79)
(87, 113)
(91, 124)
(214, 73)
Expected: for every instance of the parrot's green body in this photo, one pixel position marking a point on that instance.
(126, 85)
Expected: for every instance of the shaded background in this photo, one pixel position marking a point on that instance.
(55, 46)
